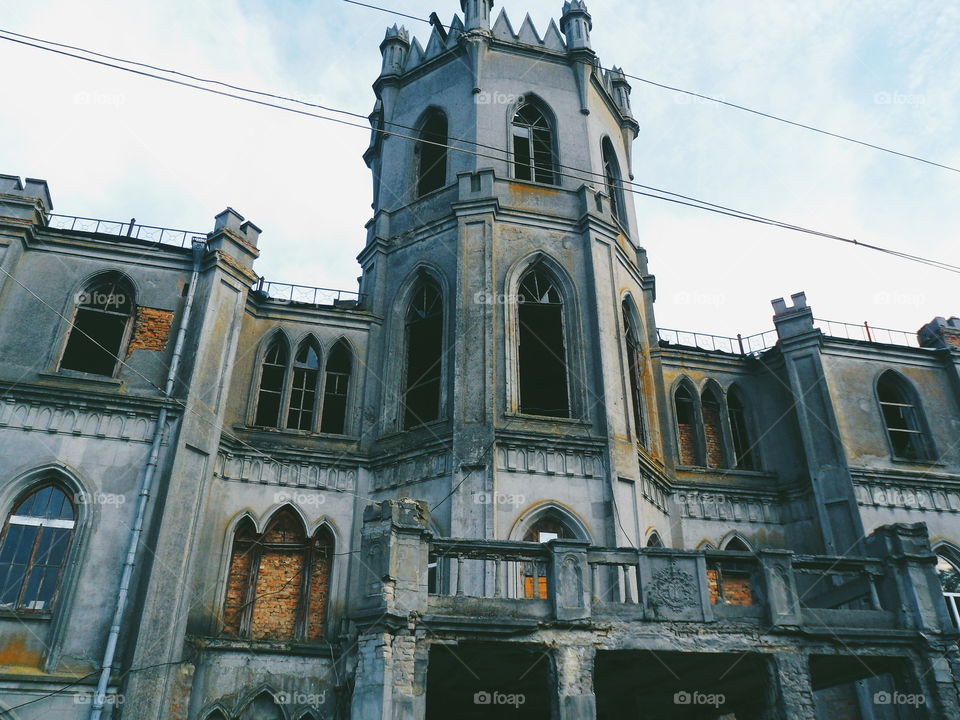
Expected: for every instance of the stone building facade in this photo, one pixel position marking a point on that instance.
(483, 486)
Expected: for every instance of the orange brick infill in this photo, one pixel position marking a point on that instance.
(152, 330)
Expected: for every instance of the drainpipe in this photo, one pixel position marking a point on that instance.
(146, 484)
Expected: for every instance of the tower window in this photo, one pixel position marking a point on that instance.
(533, 146)
(101, 328)
(903, 418)
(335, 388)
(303, 393)
(542, 354)
(273, 376)
(34, 549)
(432, 174)
(687, 426)
(614, 182)
(633, 368)
(424, 336)
(739, 430)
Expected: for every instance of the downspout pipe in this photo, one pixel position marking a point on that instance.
(146, 485)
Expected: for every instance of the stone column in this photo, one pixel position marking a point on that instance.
(795, 689)
(574, 672)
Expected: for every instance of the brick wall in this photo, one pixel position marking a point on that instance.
(688, 445)
(277, 593)
(151, 331)
(713, 433)
(736, 588)
(319, 590)
(237, 580)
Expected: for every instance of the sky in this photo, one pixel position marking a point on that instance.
(115, 146)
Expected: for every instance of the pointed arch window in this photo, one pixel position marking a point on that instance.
(263, 707)
(614, 182)
(424, 355)
(688, 439)
(303, 391)
(544, 382)
(711, 405)
(634, 360)
(949, 574)
(654, 540)
(278, 582)
(336, 386)
(744, 455)
(101, 328)
(903, 418)
(273, 375)
(547, 528)
(533, 146)
(432, 151)
(34, 549)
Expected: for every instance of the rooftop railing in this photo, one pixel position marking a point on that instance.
(305, 294)
(867, 333)
(131, 230)
(739, 345)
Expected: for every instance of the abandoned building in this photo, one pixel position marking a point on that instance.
(484, 485)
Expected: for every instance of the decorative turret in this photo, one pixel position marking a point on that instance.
(576, 24)
(394, 49)
(476, 14)
(621, 90)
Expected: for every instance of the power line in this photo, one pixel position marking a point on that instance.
(654, 193)
(709, 98)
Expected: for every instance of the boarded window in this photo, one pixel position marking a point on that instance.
(272, 378)
(100, 328)
(633, 368)
(544, 388)
(713, 429)
(901, 415)
(614, 182)
(34, 549)
(433, 154)
(533, 146)
(303, 391)
(739, 430)
(688, 441)
(424, 330)
(336, 385)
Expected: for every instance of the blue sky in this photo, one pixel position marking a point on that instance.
(115, 146)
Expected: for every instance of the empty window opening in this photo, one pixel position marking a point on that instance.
(535, 573)
(654, 540)
(713, 429)
(424, 330)
(335, 389)
(433, 154)
(634, 359)
(902, 418)
(101, 328)
(34, 550)
(272, 378)
(739, 430)
(614, 182)
(544, 388)
(303, 392)
(264, 707)
(533, 146)
(950, 580)
(686, 409)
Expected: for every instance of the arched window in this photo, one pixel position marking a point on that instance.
(688, 440)
(654, 540)
(906, 428)
(548, 527)
(533, 146)
(614, 182)
(101, 328)
(303, 391)
(273, 375)
(634, 360)
(335, 388)
(278, 582)
(736, 544)
(740, 431)
(424, 345)
(263, 707)
(713, 427)
(544, 388)
(950, 580)
(34, 549)
(432, 151)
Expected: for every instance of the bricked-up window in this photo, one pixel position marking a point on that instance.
(424, 344)
(687, 426)
(713, 428)
(634, 361)
(278, 582)
(273, 375)
(544, 388)
(101, 328)
(34, 549)
(303, 391)
(614, 181)
(335, 390)
(533, 146)
(902, 416)
(745, 457)
(432, 150)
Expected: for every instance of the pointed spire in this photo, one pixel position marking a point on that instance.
(476, 14)
(620, 89)
(394, 49)
(576, 24)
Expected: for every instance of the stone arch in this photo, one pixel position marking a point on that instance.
(535, 101)
(734, 541)
(554, 510)
(262, 704)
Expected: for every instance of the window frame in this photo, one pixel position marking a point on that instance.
(422, 141)
(734, 392)
(700, 453)
(407, 298)
(74, 307)
(322, 392)
(635, 362)
(923, 433)
(550, 121)
(310, 343)
(613, 181)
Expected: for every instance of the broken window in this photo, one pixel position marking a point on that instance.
(634, 359)
(424, 330)
(34, 549)
(303, 392)
(950, 580)
(533, 146)
(902, 417)
(535, 573)
(335, 387)
(614, 182)
(278, 582)
(740, 432)
(544, 386)
(432, 150)
(713, 428)
(273, 375)
(687, 431)
(101, 328)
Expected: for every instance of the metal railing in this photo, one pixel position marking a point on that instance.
(739, 345)
(867, 333)
(953, 607)
(305, 294)
(144, 233)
